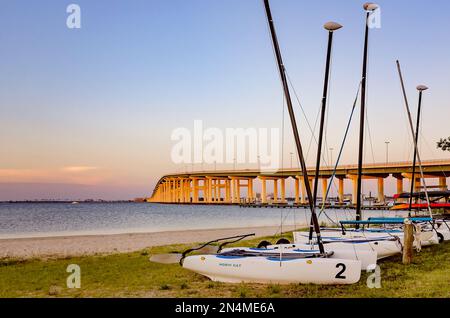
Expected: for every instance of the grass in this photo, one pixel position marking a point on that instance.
(132, 275)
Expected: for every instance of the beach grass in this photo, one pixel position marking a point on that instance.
(132, 275)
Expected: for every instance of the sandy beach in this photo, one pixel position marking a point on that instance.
(65, 246)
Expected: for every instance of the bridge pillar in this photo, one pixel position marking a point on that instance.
(180, 189)
(227, 191)
(297, 190)
(187, 191)
(443, 186)
(303, 200)
(210, 187)
(250, 190)
(263, 190)
(355, 190)
(174, 193)
(275, 190)
(169, 190)
(381, 197)
(238, 190)
(283, 190)
(399, 187)
(324, 190)
(217, 193)
(195, 190)
(443, 183)
(341, 190)
(175, 190)
(417, 184)
(166, 191)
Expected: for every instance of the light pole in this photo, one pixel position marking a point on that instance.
(331, 156)
(291, 153)
(387, 151)
(234, 163)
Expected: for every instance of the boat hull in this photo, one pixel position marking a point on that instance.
(335, 241)
(274, 271)
(367, 257)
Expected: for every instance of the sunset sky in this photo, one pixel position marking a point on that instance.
(88, 113)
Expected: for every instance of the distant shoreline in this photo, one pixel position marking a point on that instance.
(71, 201)
(83, 245)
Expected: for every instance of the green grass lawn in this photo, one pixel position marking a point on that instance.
(132, 275)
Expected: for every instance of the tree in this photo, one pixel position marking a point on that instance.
(444, 144)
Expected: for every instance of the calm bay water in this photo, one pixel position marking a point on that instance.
(48, 219)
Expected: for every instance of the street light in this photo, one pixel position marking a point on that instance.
(387, 151)
(331, 156)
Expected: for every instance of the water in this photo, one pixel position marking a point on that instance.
(50, 219)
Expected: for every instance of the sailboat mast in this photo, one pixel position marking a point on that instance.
(294, 123)
(420, 88)
(368, 7)
(411, 127)
(330, 27)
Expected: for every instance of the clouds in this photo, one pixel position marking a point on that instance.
(76, 169)
(71, 174)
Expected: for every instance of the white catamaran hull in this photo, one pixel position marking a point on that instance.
(368, 258)
(272, 270)
(383, 248)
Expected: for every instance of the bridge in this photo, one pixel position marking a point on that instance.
(224, 187)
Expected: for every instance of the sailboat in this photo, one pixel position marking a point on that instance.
(282, 264)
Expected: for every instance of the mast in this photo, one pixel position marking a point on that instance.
(368, 7)
(420, 88)
(330, 27)
(411, 126)
(298, 144)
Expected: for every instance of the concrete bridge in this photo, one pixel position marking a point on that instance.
(224, 187)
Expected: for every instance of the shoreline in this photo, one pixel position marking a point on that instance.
(92, 244)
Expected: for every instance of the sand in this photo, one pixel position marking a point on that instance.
(66, 246)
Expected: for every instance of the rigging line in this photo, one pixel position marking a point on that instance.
(342, 147)
(298, 101)
(313, 136)
(370, 136)
(312, 130)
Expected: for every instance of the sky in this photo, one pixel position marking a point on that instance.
(89, 112)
